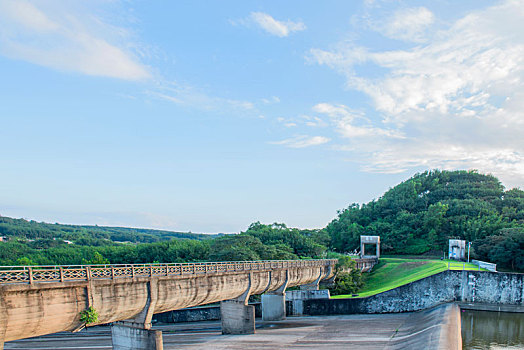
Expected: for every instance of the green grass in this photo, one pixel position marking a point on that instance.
(391, 273)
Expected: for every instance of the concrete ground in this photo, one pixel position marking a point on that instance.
(329, 332)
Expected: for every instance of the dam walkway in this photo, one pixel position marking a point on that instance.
(43, 300)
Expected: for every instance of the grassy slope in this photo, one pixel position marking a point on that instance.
(391, 273)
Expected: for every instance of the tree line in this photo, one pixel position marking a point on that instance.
(418, 216)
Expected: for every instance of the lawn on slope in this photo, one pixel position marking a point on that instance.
(391, 273)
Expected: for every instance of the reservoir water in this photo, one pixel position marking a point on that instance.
(484, 330)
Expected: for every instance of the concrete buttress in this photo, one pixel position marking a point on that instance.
(274, 302)
(237, 316)
(135, 333)
(313, 285)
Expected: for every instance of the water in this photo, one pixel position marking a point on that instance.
(483, 330)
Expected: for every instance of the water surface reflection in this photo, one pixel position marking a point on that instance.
(483, 330)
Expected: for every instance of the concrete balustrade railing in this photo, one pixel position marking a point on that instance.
(52, 273)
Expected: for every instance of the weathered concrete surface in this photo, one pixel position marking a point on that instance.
(197, 314)
(363, 332)
(448, 286)
(43, 308)
(274, 306)
(436, 328)
(295, 299)
(129, 338)
(237, 317)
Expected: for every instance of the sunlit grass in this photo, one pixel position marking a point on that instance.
(391, 273)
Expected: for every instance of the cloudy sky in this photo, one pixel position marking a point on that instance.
(207, 116)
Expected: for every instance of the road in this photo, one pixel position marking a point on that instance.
(331, 332)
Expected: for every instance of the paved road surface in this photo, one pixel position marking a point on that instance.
(328, 332)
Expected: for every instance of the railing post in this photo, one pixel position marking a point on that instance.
(132, 271)
(150, 270)
(167, 270)
(30, 272)
(61, 274)
(88, 273)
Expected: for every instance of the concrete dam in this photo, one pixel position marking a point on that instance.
(42, 300)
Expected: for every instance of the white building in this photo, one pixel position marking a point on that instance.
(457, 249)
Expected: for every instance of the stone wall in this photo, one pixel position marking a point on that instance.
(447, 286)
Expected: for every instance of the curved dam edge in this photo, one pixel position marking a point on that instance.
(437, 328)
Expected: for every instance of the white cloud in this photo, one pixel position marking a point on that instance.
(67, 39)
(455, 101)
(191, 97)
(353, 124)
(272, 100)
(302, 141)
(275, 27)
(408, 24)
(314, 122)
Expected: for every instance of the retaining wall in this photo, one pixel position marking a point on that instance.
(444, 287)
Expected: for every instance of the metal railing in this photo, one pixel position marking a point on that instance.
(463, 266)
(34, 274)
(485, 265)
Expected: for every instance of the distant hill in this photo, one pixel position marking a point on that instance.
(86, 235)
(420, 214)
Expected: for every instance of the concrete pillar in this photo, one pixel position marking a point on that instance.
(274, 302)
(237, 316)
(274, 306)
(135, 333)
(131, 338)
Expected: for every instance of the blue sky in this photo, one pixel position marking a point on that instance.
(208, 116)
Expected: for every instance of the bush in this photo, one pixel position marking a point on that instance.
(348, 279)
(89, 316)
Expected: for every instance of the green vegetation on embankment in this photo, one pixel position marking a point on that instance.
(391, 273)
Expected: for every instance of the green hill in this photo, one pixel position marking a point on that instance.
(86, 235)
(419, 215)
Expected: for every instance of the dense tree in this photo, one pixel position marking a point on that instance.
(506, 248)
(420, 215)
(348, 278)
